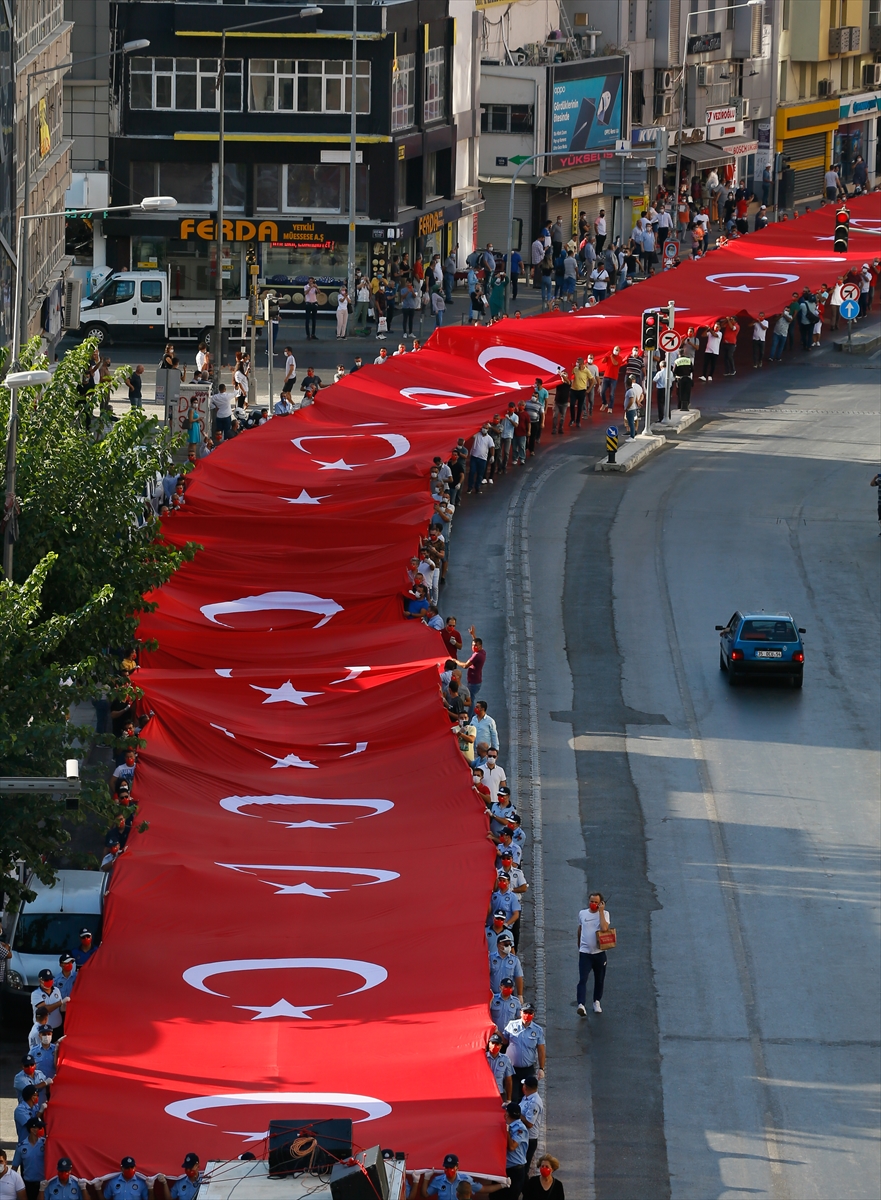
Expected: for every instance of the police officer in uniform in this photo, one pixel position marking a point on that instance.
(43, 1053)
(526, 1048)
(500, 1065)
(504, 898)
(505, 1006)
(444, 1184)
(48, 995)
(531, 1113)
(504, 962)
(63, 1186)
(493, 931)
(30, 1074)
(186, 1186)
(127, 1185)
(517, 1149)
(66, 978)
(29, 1157)
(27, 1107)
(86, 949)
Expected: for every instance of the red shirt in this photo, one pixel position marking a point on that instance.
(611, 366)
(730, 333)
(475, 670)
(452, 640)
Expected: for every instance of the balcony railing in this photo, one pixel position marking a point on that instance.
(34, 22)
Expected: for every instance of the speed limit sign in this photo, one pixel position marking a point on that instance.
(670, 340)
(850, 291)
(671, 250)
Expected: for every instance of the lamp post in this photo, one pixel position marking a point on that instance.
(521, 163)
(699, 13)
(353, 156)
(21, 265)
(16, 379)
(311, 10)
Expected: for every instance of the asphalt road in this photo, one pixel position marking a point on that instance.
(734, 832)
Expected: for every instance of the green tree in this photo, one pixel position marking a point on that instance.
(88, 552)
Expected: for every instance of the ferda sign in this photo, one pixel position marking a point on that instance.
(431, 222)
(233, 231)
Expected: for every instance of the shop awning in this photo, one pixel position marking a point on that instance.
(566, 179)
(704, 153)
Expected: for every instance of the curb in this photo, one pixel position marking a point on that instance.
(632, 453)
(678, 422)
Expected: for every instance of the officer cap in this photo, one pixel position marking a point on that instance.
(504, 790)
(85, 933)
(64, 959)
(506, 852)
(112, 840)
(28, 1091)
(529, 1008)
(502, 875)
(34, 1123)
(496, 1040)
(506, 982)
(513, 1110)
(64, 1164)
(451, 1160)
(28, 1061)
(45, 975)
(127, 1163)
(515, 817)
(504, 937)
(191, 1160)
(530, 1080)
(500, 914)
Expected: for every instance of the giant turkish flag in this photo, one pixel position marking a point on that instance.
(300, 932)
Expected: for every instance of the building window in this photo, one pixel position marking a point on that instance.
(183, 84)
(404, 92)
(786, 13)
(637, 96)
(193, 185)
(298, 187)
(306, 85)
(506, 118)
(874, 13)
(434, 105)
(729, 24)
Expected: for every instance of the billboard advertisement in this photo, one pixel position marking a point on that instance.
(586, 113)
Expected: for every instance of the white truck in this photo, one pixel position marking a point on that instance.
(133, 303)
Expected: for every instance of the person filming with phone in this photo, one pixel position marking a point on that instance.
(591, 920)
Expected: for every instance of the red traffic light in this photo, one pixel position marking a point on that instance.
(842, 216)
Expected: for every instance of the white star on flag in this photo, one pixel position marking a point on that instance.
(286, 694)
(281, 1008)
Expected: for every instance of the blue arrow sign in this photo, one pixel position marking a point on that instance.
(850, 309)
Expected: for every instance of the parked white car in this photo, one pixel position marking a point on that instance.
(50, 926)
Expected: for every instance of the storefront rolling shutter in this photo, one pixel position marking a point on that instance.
(808, 180)
(492, 223)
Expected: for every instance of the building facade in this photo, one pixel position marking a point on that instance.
(288, 96)
(41, 41)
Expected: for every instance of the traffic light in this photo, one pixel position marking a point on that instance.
(251, 254)
(842, 229)
(650, 330)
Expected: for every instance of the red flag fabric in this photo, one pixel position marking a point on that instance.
(299, 934)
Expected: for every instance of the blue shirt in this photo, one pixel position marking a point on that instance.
(22, 1114)
(504, 1010)
(523, 1042)
(44, 1058)
(507, 902)
(532, 1109)
(31, 1160)
(446, 1188)
(500, 814)
(502, 1069)
(185, 1189)
(22, 1079)
(65, 983)
(516, 262)
(56, 1190)
(517, 1157)
(485, 731)
(118, 1188)
(82, 956)
(501, 966)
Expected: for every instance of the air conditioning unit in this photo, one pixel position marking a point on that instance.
(663, 80)
(741, 107)
(872, 74)
(663, 106)
(875, 39)
(855, 33)
(73, 298)
(825, 88)
(839, 40)
(705, 76)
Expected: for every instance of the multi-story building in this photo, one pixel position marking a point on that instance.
(7, 173)
(288, 97)
(547, 94)
(41, 41)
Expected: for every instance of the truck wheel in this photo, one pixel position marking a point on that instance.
(205, 335)
(97, 331)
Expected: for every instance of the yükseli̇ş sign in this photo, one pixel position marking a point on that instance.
(586, 113)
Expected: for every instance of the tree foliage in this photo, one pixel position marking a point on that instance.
(85, 557)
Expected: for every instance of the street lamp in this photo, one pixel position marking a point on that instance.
(311, 10)
(353, 155)
(521, 163)
(699, 13)
(16, 379)
(21, 265)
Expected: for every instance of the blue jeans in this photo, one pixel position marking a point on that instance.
(609, 385)
(547, 285)
(449, 284)
(476, 471)
(438, 318)
(599, 294)
(631, 420)
(520, 449)
(474, 689)
(778, 341)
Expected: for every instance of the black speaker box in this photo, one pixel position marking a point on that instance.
(366, 1180)
(296, 1146)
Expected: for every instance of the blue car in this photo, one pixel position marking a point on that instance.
(762, 644)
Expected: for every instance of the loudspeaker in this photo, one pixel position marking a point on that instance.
(366, 1180)
(296, 1146)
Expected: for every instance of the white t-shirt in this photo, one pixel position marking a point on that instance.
(241, 380)
(714, 341)
(11, 1185)
(600, 225)
(830, 179)
(589, 923)
(760, 329)
(290, 368)
(201, 359)
(702, 219)
(221, 402)
(482, 445)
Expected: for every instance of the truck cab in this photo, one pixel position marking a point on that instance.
(129, 302)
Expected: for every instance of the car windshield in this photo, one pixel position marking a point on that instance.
(756, 630)
(54, 933)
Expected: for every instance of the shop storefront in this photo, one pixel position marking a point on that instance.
(857, 134)
(805, 134)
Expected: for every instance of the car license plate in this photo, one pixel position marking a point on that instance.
(769, 654)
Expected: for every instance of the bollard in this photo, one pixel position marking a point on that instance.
(612, 442)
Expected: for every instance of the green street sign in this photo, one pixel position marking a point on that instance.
(518, 159)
